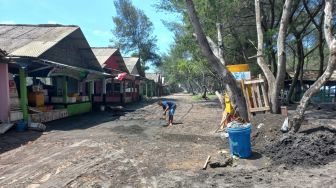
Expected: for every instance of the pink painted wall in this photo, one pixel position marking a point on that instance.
(4, 93)
(98, 87)
(97, 98)
(113, 98)
(112, 63)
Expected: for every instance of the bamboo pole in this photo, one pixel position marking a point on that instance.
(23, 93)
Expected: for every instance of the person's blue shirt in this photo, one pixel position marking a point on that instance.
(169, 104)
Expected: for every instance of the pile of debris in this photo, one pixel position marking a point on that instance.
(306, 149)
(313, 146)
(222, 159)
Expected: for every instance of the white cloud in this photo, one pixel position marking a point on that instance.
(52, 22)
(7, 22)
(101, 33)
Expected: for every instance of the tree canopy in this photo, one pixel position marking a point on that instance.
(133, 32)
(237, 34)
(304, 43)
(275, 38)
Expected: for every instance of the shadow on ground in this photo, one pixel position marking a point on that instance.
(13, 139)
(255, 156)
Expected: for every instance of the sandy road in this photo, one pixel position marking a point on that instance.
(137, 150)
(99, 150)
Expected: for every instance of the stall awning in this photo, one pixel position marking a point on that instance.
(47, 68)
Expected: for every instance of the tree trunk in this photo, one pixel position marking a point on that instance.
(281, 69)
(234, 91)
(298, 68)
(321, 53)
(191, 89)
(319, 27)
(221, 99)
(204, 95)
(220, 44)
(215, 49)
(274, 83)
(294, 60)
(272, 57)
(301, 78)
(269, 41)
(300, 110)
(260, 57)
(274, 64)
(331, 41)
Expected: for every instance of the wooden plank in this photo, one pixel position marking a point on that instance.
(264, 94)
(253, 81)
(257, 87)
(254, 99)
(206, 162)
(247, 98)
(222, 124)
(259, 109)
(284, 111)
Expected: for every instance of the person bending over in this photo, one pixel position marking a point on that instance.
(168, 106)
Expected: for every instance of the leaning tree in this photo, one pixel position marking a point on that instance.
(331, 43)
(275, 83)
(217, 63)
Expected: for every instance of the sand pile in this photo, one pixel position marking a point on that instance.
(306, 149)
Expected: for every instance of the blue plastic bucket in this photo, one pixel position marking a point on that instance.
(240, 141)
(21, 126)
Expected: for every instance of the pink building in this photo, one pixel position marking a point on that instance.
(4, 89)
(111, 90)
(133, 65)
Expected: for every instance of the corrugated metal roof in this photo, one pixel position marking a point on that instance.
(65, 44)
(33, 49)
(153, 76)
(31, 40)
(2, 53)
(131, 64)
(103, 53)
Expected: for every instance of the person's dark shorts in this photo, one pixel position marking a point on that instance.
(172, 111)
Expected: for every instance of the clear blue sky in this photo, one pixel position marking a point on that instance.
(93, 16)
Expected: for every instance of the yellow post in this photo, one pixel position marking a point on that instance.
(228, 107)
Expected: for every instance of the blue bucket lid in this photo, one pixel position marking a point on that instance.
(246, 127)
(21, 121)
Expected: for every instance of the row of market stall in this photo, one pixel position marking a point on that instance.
(49, 72)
